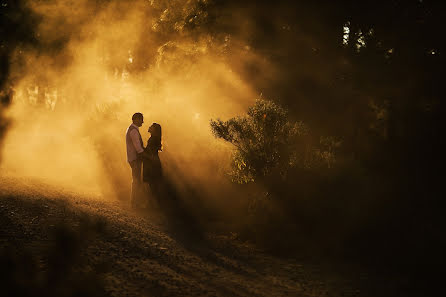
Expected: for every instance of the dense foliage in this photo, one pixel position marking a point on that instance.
(266, 141)
(269, 144)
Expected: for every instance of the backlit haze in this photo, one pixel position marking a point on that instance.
(73, 100)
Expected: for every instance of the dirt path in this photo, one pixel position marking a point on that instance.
(128, 254)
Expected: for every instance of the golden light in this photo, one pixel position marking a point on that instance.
(71, 108)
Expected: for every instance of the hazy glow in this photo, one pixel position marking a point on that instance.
(75, 137)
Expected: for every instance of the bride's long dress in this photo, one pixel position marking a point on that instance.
(152, 171)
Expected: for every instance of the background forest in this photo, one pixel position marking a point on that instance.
(341, 154)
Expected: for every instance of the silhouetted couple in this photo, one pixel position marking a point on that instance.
(146, 159)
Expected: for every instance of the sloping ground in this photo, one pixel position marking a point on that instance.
(60, 244)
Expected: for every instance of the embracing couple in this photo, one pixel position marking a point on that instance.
(146, 158)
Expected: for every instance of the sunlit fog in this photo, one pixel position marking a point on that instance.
(73, 100)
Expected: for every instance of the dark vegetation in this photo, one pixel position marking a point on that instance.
(349, 154)
(373, 104)
(14, 32)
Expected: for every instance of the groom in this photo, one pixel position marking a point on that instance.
(134, 150)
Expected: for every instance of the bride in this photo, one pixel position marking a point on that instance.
(152, 171)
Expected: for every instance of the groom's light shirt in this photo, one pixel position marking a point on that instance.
(134, 143)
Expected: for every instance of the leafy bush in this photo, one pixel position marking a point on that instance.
(267, 142)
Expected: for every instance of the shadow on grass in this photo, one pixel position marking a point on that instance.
(56, 265)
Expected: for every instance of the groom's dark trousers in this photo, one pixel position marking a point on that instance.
(136, 181)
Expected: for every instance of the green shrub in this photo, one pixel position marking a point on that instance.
(267, 142)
